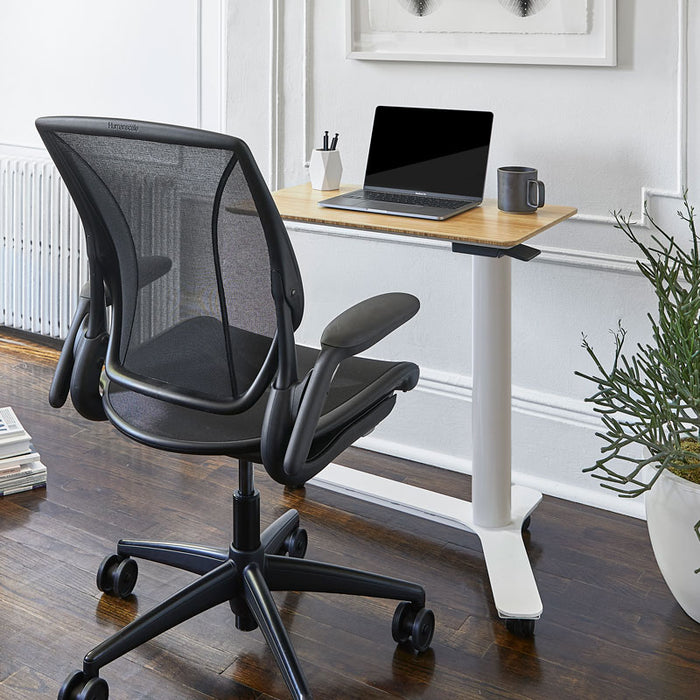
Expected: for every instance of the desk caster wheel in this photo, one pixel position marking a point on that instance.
(414, 626)
(117, 575)
(524, 628)
(296, 542)
(79, 687)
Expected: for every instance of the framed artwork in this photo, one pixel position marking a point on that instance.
(556, 32)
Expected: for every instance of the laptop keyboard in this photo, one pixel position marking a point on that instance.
(409, 199)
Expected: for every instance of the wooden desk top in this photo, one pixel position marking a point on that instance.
(485, 225)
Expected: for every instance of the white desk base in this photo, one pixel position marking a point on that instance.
(498, 509)
(512, 582)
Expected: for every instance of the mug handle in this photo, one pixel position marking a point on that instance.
(539, 202)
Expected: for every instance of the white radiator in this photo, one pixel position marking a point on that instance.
(42, 248)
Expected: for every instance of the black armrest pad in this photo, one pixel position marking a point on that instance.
(366, 323)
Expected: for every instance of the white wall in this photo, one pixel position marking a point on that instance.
(603, 138)
(160, 60)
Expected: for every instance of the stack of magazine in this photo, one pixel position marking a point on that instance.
(20, 467)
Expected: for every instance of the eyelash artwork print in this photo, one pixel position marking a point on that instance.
(420, 8)
(524, 8)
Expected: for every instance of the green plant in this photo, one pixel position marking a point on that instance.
(651, 398)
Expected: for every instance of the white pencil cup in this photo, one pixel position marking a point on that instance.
(325, 169)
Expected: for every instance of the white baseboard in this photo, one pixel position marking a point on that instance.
(600, 498)
(548, 410)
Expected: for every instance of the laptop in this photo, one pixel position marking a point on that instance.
(422, 162)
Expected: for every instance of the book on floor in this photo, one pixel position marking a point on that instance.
(14, 439)
(20, 467)
(17, 463)
(34, 476)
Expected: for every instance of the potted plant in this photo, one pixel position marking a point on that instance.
(649, 404)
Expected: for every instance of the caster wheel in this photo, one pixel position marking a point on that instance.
(422, 630)
(414, 626)
(78, 687)
(400, 625)
(525, 527)
(117, 576)
(524, 628)
(296, 543)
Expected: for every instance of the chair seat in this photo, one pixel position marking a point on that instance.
(358, 384)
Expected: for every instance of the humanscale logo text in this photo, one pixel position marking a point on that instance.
(122, 127)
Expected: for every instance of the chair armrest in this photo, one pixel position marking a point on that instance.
(361, 326)
(350, 333)
(151, 268)
(60, 385)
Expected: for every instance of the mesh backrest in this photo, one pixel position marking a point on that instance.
(188, 262)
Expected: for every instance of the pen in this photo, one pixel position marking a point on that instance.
(325, 141)
(334, 142)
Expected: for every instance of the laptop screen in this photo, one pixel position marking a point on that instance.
(443, 151)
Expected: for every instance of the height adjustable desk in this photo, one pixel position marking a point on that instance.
(499, 511)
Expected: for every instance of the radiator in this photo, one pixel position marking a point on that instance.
(42, 248)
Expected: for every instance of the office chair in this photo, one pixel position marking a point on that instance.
(184, 341)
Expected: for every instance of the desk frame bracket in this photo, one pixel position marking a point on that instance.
(522, 252)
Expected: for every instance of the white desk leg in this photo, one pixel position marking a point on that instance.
(491, 391)
(497, 520)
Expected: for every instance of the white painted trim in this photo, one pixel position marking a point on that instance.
(529, 402)
(275, 91)
(596, 498)
(306, 80)
(15, 150)
(605, 262)
(212, 62)
(199, 59)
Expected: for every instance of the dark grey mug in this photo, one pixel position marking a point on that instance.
(519, 190)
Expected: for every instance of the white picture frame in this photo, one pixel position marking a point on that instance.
(565, 32)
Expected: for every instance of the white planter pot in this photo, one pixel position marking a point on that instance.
(673, 508)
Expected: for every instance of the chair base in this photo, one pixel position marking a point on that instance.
(244, 577)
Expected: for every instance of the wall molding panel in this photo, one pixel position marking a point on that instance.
(212, 64)
(529, 402)
(628, 142)
(603, 262)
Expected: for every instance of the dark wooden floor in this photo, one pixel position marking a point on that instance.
(610, 628)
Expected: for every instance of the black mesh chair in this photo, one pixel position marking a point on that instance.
(184, 340)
